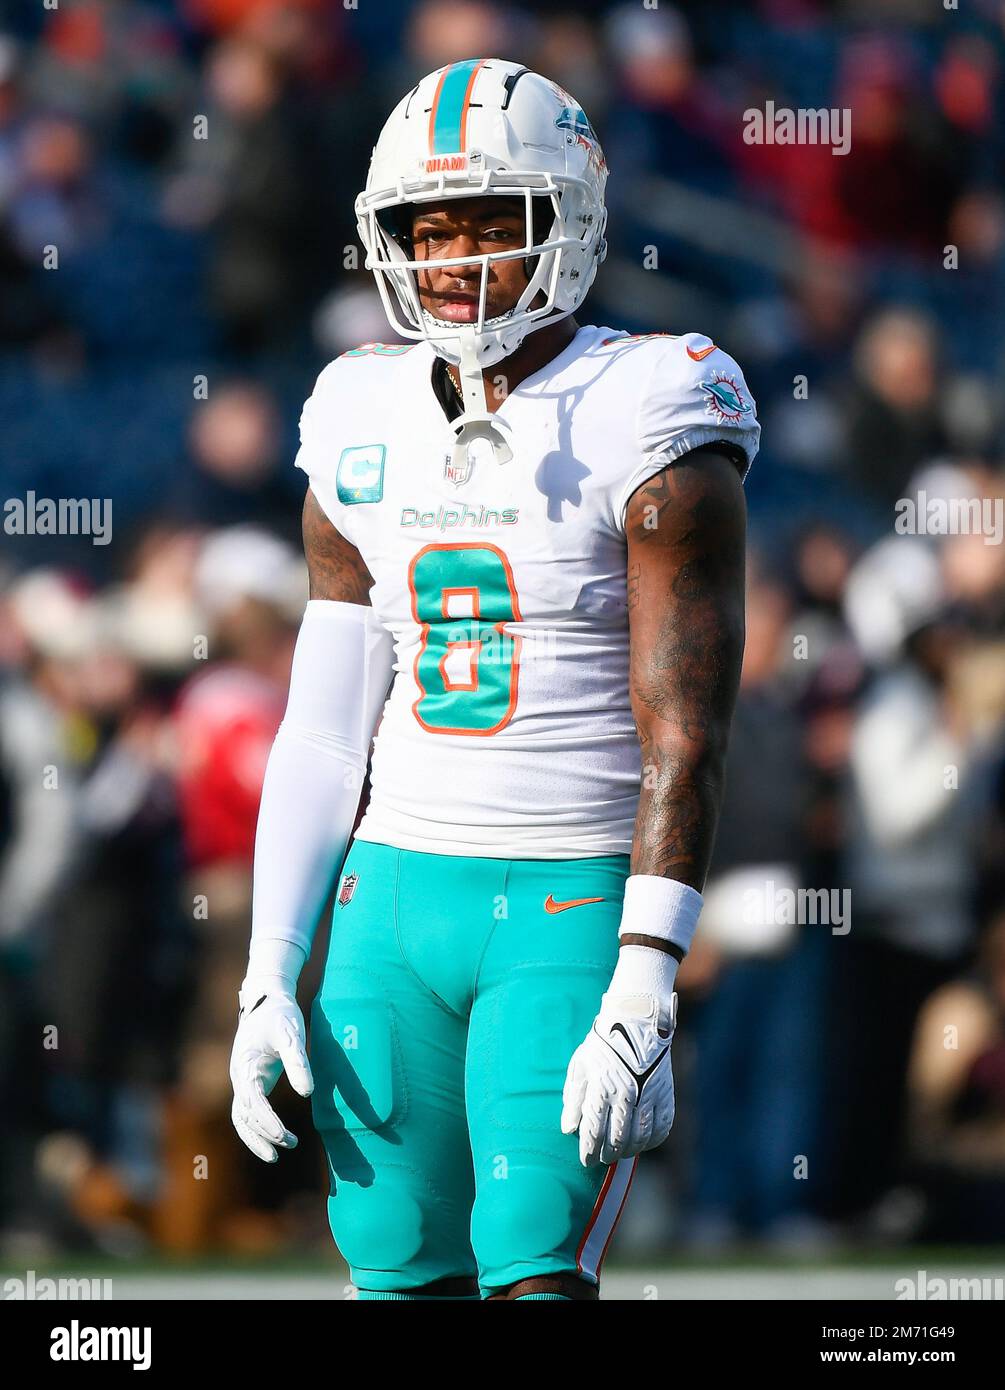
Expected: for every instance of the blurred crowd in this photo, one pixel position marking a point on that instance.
(177, 261)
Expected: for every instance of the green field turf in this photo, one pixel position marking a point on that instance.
(849, 1276)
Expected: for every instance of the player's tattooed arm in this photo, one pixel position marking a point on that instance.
(334, 565)
(686, 530)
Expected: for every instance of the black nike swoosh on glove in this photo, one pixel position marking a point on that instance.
(620, 1028)
(640, 1078)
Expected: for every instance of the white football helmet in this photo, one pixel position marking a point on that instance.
(479, 127)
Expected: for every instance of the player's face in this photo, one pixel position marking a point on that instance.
(469, 227)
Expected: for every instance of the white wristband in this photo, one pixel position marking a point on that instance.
(660, 907)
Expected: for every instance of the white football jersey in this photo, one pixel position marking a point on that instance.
(508, 731)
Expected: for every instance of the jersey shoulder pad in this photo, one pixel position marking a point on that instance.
(339, 452)
(690, 394)
(341, 394)
(696, 394)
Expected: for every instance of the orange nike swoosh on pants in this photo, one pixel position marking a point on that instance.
(701, 354)
(550, 905)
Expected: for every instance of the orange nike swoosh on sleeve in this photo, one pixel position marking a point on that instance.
(701, 354)
(550, 905)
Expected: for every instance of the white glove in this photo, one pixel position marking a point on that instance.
(270, 1039)
(619, 1087)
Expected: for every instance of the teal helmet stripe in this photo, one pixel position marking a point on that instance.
(447, 117)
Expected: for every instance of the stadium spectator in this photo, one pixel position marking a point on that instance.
(893, 422)
(230, 475)
(956, 1116)
(755, 1076)
(915, 796)
(39, 844)
(251, 588)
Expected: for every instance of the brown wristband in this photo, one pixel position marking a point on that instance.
(656, 942)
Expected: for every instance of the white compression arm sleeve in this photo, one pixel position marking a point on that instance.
(342, 668)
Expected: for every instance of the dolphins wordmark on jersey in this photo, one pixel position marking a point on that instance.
(508, 731)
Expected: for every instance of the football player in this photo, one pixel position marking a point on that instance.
(525, 540)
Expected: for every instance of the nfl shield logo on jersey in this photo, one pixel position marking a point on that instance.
(347, 889)
(457, 473)
(478, 449)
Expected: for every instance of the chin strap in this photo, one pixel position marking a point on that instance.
(477, 421)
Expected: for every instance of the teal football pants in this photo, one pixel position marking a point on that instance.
(452, 1001)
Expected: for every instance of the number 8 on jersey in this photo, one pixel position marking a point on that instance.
(468, 665)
